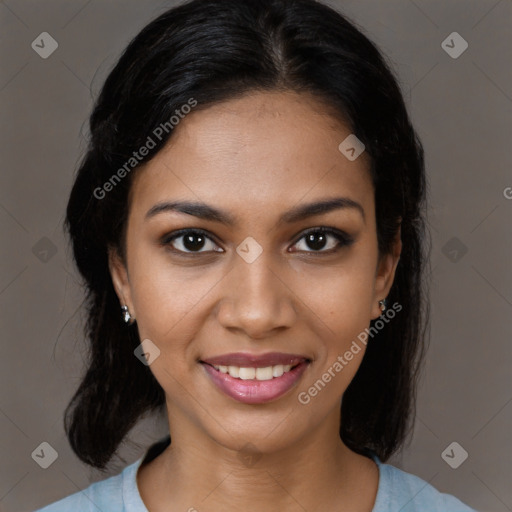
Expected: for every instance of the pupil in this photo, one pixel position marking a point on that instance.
(189, 244)
(316, 240)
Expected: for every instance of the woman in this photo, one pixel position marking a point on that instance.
(249, 222)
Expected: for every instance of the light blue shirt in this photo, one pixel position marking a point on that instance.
(398, 491)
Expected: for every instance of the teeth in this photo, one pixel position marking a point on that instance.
(266, 373)
(234, 371)
(277, 370)
(247, 373)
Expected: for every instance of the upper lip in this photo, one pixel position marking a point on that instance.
(247, 360)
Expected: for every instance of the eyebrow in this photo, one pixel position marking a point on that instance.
(296, 214)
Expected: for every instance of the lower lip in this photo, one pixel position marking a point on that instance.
(252, 391)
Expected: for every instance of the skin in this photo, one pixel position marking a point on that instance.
(255, 157)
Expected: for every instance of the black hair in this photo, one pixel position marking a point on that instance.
(208, 51)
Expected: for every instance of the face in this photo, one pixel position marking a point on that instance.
(253, 279)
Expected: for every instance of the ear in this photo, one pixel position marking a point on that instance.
(386, 274)
(120, 279)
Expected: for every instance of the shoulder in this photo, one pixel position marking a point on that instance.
(115, 494)
(403, 491)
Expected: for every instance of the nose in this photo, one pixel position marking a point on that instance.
(257, 300)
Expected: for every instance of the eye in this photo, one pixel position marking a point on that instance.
(190, 241)
(196, 241)
(317, 239)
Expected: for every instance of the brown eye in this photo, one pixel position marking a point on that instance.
(190, 241)
(318, 239)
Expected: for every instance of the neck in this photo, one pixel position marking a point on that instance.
(317, 473)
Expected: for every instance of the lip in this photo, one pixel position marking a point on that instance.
(247, 360)
(253, 391)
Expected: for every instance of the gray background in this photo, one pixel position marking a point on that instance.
(462, 110)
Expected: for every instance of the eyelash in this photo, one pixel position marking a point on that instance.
(343, 239)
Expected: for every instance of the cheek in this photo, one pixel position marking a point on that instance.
(341, 315)
(170, 300)
(340, 297)
(338, 311)
(165, 299)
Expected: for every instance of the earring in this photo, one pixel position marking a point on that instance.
(382, 304)
(126, 314)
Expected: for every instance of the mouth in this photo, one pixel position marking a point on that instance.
(254, 379)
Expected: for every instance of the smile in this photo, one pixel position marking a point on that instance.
(247, 373)
(255, 379)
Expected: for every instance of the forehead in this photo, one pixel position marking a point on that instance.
(252, 154)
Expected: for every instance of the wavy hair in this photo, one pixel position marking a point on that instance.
(212, 51)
